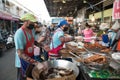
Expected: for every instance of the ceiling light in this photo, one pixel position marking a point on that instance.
(84, 1)
(63, 1)
(60, 8)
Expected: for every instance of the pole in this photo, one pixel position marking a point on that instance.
(11, 26)
(102, 14)
(96, 4)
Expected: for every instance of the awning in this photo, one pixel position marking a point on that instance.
(6, 16)
(15, 19)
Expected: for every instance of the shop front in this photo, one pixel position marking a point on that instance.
(8, 22)
(5, 21)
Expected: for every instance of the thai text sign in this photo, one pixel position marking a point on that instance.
(116, 9)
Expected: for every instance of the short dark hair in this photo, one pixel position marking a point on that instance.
(87, 25)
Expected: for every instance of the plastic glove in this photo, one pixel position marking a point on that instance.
(46, 47)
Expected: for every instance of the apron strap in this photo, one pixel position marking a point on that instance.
(26, 34)
(31, 34)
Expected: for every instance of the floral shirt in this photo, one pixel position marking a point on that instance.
(45, 33)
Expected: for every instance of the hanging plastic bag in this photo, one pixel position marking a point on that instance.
(116, 25)
(118, 45)
(104, 26)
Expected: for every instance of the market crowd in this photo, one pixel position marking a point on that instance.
(36, 43)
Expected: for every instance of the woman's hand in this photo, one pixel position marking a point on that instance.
(79, 38)
(46, 48)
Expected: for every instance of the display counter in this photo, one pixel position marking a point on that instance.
(104, 74)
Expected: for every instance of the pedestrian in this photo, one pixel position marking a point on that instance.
(24, 43)
(37, 52)
(79, 30)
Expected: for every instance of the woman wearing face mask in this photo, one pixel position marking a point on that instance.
(88, 33)
(44, 38)
(24, 43)
(59, 39)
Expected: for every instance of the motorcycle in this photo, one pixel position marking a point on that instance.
(10, 42)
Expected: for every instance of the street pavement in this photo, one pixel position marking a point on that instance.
(7, 65)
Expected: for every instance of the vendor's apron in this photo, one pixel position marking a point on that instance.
(29, 51)
(54, 51)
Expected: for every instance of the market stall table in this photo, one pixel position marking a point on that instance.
(105, 74)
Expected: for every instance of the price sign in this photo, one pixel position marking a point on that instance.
(116, 9)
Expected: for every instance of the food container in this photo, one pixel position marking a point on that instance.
(95, 65)
(70, 77)
(62, 64)
(116, 57)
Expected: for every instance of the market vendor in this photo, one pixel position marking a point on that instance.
(43, 37)
(104, 36)
(116, 43)
(88, 33)
(24, 43)
(59, 38)
(112, 34)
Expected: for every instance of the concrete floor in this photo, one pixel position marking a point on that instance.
(7, 65)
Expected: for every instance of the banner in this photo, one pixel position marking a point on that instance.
(116, 9)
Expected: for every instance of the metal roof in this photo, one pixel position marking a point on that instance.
(63, 8)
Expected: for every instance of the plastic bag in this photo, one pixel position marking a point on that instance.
(116, 25)
(104, 26)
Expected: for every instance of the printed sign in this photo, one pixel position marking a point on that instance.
(116, 9)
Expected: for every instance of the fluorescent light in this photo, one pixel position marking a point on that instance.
(60, 8)
(84, 1)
